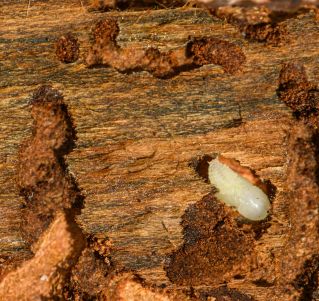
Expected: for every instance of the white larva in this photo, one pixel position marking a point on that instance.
(234, 190)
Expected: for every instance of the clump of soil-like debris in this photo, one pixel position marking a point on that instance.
(42, 176)
(198, 52)
(67, 48)
(297, 92)
(213, 245)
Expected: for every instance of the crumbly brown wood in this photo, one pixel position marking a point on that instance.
(39, 277)
(138, 135)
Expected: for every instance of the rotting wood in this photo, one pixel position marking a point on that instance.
(137, 134)
(39, 277)
(299, 262)
(197, 52)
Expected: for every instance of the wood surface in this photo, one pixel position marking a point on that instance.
(138, 135)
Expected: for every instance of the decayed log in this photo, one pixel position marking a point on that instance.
(143, 140)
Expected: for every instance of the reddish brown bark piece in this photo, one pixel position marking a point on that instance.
(88, 277)
(128, 287)
(300, 262)
(255, 24)
(198, 52)
(297, 92)
(67, 48)
(213, 245)
(214, 51)
(42, 175)
(49, 189)
(44, 275)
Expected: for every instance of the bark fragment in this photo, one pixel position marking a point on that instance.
(44, 275)
(198, 52)
(299, 261)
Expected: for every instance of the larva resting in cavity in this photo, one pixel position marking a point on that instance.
(235, 190)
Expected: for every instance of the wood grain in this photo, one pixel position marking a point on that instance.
(137, 134)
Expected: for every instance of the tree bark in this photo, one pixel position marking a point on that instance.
(140, 138)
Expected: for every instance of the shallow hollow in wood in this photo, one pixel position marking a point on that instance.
(147, 185)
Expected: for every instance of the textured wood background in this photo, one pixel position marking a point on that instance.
(137, 134)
